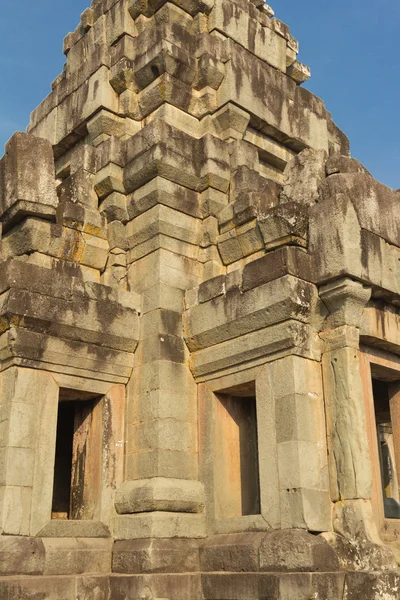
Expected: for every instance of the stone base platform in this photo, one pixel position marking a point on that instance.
(205, 586)
(275, 565)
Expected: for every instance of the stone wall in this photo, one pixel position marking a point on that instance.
(192, 260)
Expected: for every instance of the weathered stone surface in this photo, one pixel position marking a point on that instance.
(190, 265)
(354, 522)
(178, 586)
(65, 556)
(227, 316)
(156, 556)
(350, 467)
(235, 552)
(75, 529)
(303, 176)
(371, 586)
(20, 555)
(173, 495)
(31, 588)
(27, 180)
(159, 525)
(337, 163)
(219, 586)
(296, 550)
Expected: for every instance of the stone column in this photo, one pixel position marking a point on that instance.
(349, 459)
(354, 525)
(161, 495)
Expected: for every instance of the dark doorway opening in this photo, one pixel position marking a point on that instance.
(72, 457)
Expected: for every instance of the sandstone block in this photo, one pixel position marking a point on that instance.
(109, 180)
(163, 191)
(309, 509)
(159, 556)
(376, 214)
(113, 207)
(81, 218)
(163, 296)
(15, 505)
(298, 72)
(161, 462)
(92, 587)
(164, 435)
(263, 42)
(302, 464)
(250, 238)
(28, 588)
(21, 556)
(240, 586)
(296, 550)
(159, 525)
(27, 180)
(122, 78)
(283, 223)
(163, 57)
(74, 529)
(276, 264)
(371, 585)
(210, 72)
(337, 224)
(119, 22)
(17, 467)
(65, 556)
(79, 188)
(162, 220)
(354, 522)
(229, 247)
(235, 552)
(303, 176)
(224, 358)
(207, 323)
(160, 494)
(338, 163)
(87, 19)
(212, 288)
(176, 587)
(106, 122)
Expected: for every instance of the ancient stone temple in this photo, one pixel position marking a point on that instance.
(199, 324)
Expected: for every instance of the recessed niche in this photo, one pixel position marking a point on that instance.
(236, 467)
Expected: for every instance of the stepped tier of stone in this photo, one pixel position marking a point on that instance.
(196, 283)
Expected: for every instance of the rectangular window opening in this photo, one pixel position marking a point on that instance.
(387, 448)
(73, 444)
(236, 456)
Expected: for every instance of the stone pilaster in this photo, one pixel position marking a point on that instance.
(161, 495)
(349, 461)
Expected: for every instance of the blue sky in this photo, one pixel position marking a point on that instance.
(350, 45)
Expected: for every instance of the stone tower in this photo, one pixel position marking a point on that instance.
(199, 324)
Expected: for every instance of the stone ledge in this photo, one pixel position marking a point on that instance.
(160, 494)
(74, 529)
